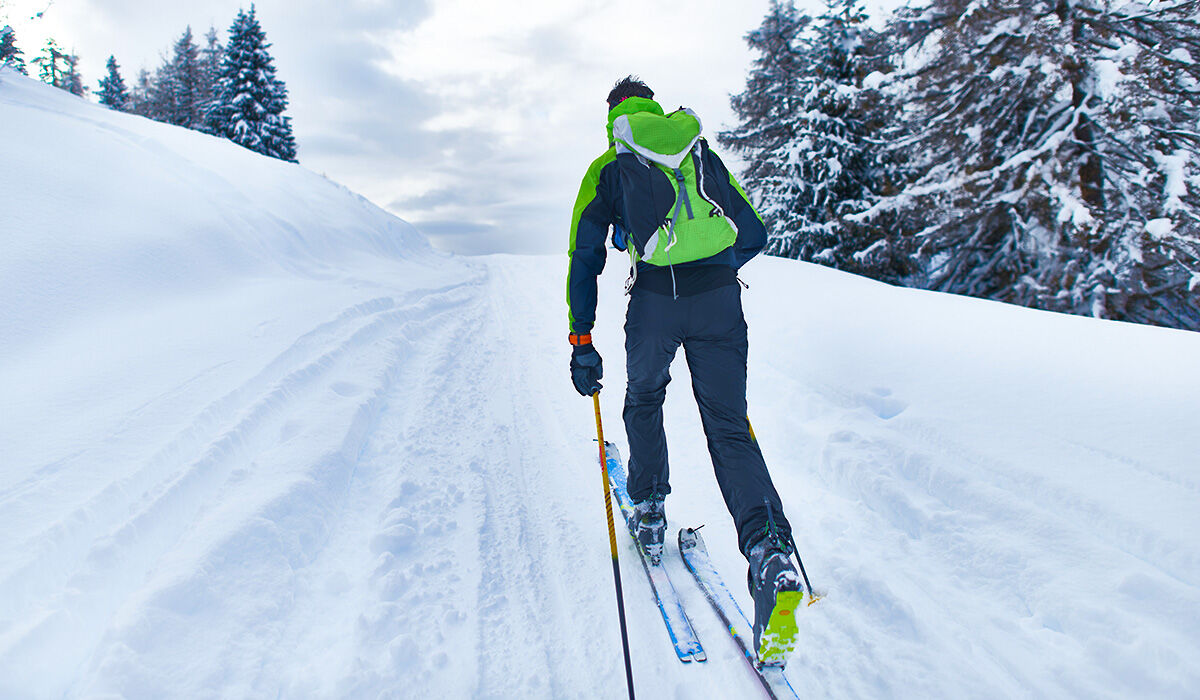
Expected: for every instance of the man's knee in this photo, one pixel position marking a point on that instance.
(645, 395)
(646, 388)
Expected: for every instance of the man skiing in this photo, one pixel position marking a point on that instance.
(688, 227)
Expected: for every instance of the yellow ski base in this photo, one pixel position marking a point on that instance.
(779, 638)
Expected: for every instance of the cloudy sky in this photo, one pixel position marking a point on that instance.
(474, 120)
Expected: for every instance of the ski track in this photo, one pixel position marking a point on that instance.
(531, 565)
(216, 431)
(360, 501)
(108, 556)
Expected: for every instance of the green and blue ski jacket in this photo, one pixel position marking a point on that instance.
(601, 205)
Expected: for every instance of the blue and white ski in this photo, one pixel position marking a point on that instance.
(695, 557)
(679, 627)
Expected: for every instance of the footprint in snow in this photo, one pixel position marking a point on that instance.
(881, 402)
(346, 389)
(290, 430)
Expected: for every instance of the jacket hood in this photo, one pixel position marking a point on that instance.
(631, 105)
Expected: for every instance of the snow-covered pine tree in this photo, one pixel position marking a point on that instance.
(250, 100)
(813, 133)
(988, 87)
(1032, 190)
(142, 96)
(113, 93)
(1148, 71)
(73, 81)
(52, 65)
(210, 67)
(60, 69)
(840, 129)
(10, 53)
(180, 83)
(764, 111)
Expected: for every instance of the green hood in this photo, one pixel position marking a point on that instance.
(631, 105)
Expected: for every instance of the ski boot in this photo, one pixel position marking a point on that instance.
(649, 527)
(775, 588)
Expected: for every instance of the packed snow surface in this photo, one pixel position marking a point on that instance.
(259, 440)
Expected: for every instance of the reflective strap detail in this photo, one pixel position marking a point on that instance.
(698, 152)
(632, 269)
(652, 243)
(576, 339)
(672, 239)
(674, 291)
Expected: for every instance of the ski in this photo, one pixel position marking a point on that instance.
(679, 627)
(695, 557)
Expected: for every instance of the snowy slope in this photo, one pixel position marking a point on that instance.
(259, 440)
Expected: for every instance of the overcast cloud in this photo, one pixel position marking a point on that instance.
(473, 120)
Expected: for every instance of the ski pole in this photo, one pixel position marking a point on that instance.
(812, 597)
(612, 543)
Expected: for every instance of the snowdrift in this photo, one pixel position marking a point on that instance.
(104, 209)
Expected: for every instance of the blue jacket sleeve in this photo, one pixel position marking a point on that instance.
(752, 233)
(590, 220)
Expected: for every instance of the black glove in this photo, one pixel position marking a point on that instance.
(586, 369)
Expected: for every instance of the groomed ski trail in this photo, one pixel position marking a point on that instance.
(219, 522)
(404, 501)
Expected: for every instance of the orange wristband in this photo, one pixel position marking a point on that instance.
(576, 339)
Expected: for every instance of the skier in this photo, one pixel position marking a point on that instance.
(686, 240)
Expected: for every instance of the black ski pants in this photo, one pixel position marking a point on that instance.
(712, 330)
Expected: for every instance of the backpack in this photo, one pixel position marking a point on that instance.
(672, 215)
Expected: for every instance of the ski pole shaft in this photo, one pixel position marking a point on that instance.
(612, 543)
(812, 597)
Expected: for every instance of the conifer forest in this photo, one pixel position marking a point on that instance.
(229, 90)
(1041, 153)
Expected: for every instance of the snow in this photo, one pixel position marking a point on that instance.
(863, 255)
(1010, 25)
(1181, 54)
(1062, 130)
(261, 441)
(1175, 188)
(1071, 208)
(1108, 77)
(1159, 228)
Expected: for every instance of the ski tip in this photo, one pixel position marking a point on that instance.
(689, 537)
